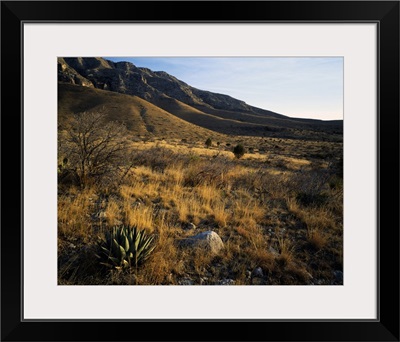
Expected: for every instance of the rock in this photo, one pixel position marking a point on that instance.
(258, 273)
(186, 281)
(272, 250)
(68, 74)
(226, 282)
(208, 240)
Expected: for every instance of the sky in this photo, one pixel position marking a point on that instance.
(300, 87)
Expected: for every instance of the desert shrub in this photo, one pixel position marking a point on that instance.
(335, 182)
(66, 174)
(315, 199)
(192, 158)
(208, 142)
(336, 167)
(125, 246)
(239, 151)
(157, 158)
(208, 173)
(310, 187)
(96, 149)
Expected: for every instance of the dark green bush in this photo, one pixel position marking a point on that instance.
(239, 151)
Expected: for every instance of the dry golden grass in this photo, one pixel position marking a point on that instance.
(313, 218)
(320, 222)
(141, 217)
(165, 260)
(317, 239)
(285, 249)
(265, 213)
(73, 212)
(175, 175)
(251, 203)
(113, 212)
(220, 214)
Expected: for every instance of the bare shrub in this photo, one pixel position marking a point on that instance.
(96, 149)
(209, 173)
(309, 187)
(157, 158)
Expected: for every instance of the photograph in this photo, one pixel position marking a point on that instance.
(171, 166)
(200, 171)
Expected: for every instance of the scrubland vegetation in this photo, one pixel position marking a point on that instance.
(277, 205)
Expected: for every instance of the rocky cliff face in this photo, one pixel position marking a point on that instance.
(68, 74)
(216, 112)
(126, 78)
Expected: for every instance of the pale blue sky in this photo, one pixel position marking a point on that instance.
(294, 86)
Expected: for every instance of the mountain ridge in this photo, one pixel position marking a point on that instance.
(200, 107)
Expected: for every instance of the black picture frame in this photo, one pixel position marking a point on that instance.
(384, 13)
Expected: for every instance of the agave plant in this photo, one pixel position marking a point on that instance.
(125, 246)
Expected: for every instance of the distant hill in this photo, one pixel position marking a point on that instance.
(87, 83)
(142, 118)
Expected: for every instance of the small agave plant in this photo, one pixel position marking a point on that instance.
(125, 246)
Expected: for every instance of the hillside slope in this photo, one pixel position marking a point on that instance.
(142, 118)
(217, 112)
